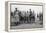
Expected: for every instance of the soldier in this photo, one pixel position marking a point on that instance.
(30, 14)
(15, 11)
(16, 16)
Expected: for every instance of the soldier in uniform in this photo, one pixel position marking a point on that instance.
(16, 16)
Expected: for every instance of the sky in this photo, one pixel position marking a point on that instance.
(36, 9)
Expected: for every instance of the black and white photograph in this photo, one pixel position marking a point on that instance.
(26, 16)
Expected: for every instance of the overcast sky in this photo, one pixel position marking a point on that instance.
(25, 8)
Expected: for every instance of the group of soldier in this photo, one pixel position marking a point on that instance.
(26, 17)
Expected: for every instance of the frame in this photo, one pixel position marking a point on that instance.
(8, 16)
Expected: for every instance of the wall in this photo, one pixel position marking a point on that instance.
(2, 16)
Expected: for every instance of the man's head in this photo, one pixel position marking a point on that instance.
(30, 9)
(16, 9)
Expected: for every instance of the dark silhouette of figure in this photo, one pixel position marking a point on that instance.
(30, 14)
(41, 16)
(33, 16)
(27, 17)
(15, 11)
(11, 13)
